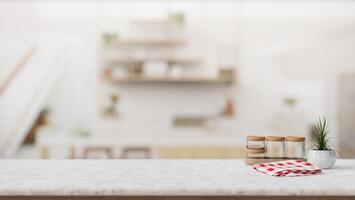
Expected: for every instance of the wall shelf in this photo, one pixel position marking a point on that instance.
(152, 41)
(165, 79)
(169, 60)
(154, 22)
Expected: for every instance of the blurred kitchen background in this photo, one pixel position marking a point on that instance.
(172, 79)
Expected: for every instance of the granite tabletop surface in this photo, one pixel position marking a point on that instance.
(165, 178)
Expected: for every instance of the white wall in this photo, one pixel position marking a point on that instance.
(17, 34)
(17, 38)
(281, 49)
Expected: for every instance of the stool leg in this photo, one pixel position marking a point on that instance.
(44, 152)
(72, 152)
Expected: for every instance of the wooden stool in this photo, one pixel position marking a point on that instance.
(146, 151)
(103, 149)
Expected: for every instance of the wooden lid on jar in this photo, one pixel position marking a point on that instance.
(255, 138)
(275, 138)
(295, 138)
(256, 150)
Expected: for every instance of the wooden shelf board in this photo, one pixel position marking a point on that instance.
(167, 59)
(153, 22)
(151, 41)
(145, 79)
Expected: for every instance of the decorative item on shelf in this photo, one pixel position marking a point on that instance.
(136, 70)
(118, 71)
(227, 74)
(178, 18)
(109, 38)
(111, 109)
(229, 108)
(175, 71)
(262, 149)
(322, 154)
(106, 72)
(155, 68)
(290, 101)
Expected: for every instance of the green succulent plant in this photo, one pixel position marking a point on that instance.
(320, 132)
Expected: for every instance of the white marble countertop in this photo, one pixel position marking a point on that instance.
(164, 177)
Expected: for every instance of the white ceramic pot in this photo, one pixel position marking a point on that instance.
(323, 159)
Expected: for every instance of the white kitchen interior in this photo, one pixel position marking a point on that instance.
(171, 79)
(177, 99)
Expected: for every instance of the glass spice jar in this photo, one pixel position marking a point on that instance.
(275, 147)
(295, 147)
(256, 147)
(256, 153)
(255, 142)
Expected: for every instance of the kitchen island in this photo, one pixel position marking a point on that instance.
(166, 179)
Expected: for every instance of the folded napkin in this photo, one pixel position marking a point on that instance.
(287, 168)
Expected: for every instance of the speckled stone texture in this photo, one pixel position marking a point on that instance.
(165, 178)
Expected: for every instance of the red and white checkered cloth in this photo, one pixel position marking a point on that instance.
(287, 168)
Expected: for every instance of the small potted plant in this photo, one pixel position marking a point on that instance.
(290, 101)
(322, 155)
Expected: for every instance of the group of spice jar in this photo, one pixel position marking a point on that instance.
(276, 147)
